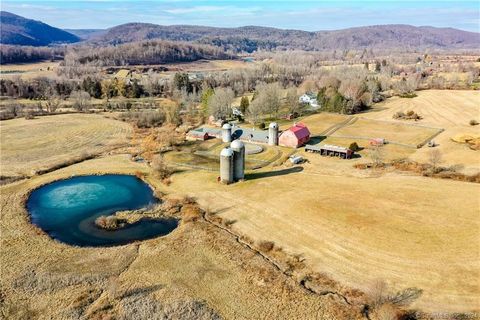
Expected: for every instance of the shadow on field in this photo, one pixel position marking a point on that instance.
(222, 210)
(267, 174)
(316, 139)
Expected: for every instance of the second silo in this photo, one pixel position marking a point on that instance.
(238, 160)
(226, 166)
(273, 134)
(226, 132)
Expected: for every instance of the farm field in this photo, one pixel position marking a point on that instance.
(318, 123)
(47, 141)
(29, 70)
(358, 229)
(401, 133)
(354, 226)
(196, 272)
(448, 109)
(207, 65)
(442, 108)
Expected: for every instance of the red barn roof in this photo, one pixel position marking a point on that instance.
(300, 131)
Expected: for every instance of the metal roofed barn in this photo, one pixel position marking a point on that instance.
(296, 136)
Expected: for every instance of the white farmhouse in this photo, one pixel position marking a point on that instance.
(310, 99)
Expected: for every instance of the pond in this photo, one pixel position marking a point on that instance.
(67, 209)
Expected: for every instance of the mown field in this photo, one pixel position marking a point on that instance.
(448, 109)
(359, 228)
(29, 70)
(354, 226)
(437, 107)
(44, 142)
(401, 133)
(196, 272)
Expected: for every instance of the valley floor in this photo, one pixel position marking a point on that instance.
(353, 226)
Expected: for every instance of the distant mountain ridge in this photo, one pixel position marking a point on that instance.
(21, 31)
(85, 34)
(252, 37)
(17, 30)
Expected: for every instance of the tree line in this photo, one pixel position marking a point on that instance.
(23, 54)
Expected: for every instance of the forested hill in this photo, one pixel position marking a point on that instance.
(17, 30)
(251, 38)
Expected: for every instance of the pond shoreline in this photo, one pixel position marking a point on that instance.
(83, 198)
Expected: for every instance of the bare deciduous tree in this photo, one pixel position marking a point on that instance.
(291, 100)
(435, 158)
(220, 103)
(269, 96)
(255, 111)
(53, 103)
(81, 100)
(172, 113)
(376, 154)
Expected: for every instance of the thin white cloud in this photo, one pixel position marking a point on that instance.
(196, 9)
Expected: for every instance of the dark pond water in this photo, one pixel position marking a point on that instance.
(67, 209)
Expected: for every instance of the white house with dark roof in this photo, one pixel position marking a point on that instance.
(310, 99)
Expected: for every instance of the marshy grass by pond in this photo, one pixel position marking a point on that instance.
(46, 279)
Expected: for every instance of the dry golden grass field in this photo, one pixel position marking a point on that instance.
(196, 272)
(204, 66)
(409, 231)
(361, 226)
(354, 226)
(47, 141)
(318, 123)
(437, 107)
(29, 70)
(393, 132)
(448, 109)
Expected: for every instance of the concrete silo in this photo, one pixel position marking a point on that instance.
(226, 166)
(238, 160)
(227, 133)
(273, 134)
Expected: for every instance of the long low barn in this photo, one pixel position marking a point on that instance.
(250, 135)
(203, 133)
(244, 134)
(330, 150)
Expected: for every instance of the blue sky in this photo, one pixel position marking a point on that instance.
(306, 15)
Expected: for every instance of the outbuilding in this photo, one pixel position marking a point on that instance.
(198, 134)
(377, 142)
(296, 136)
(330, 150)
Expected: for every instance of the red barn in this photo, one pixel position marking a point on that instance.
(295, 137)
(197, 134)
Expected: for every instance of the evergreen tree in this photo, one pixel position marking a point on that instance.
(135, 90)
(244, 103)
(322, 99)
(181, 81)
(206, 94)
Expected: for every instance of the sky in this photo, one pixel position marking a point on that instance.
(304, 15)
